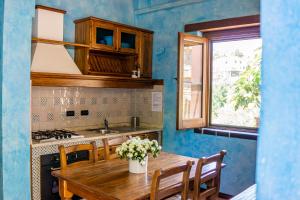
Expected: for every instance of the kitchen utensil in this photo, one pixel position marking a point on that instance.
(135, 122)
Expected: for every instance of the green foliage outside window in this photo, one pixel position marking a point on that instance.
(247, 87)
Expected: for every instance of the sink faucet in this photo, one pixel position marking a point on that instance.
(106, 124)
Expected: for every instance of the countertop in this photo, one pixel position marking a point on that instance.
(94, 135)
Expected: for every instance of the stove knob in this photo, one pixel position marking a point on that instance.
(56, 137)
(61, 137)
(69, 135)
(65, 136)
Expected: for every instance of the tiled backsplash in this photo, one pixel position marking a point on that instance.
(49, 106)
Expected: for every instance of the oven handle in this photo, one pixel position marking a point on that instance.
(54, 168)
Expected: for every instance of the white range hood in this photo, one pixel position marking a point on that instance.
(51, 58)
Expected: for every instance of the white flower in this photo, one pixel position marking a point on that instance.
(137, 149)
(129, 155)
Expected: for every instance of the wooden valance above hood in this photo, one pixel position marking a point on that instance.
(77, 80)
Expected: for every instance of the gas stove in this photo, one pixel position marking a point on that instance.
(54, 135)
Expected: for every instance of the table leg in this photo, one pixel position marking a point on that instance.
(63, 190)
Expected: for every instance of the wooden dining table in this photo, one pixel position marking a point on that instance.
(111, 180)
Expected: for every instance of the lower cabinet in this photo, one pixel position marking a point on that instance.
(150, 136)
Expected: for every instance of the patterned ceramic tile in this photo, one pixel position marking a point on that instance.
(50, 117)
(115, 100)
(82, 101)
(35, 118)
(105, 100)
(93, 100)
(43, 101)
(57, 101)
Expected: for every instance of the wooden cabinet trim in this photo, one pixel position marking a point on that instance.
(72, 80)
(145, 58)
(116, 23)
(50, 9)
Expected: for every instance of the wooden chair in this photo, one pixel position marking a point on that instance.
(210, 178)
(174, 188)
(64, 151)
(110, 145)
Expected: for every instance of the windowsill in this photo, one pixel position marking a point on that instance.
(242, 134)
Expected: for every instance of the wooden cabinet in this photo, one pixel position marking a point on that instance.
(115, 49)
(150, 136)
(145, 59)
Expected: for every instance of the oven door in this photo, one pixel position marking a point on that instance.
(49, 183)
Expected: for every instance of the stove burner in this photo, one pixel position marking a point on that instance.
(57, 134)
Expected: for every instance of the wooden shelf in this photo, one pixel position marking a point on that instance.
(40, 40)
(74, 80)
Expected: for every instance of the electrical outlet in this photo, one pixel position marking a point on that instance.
(84, 112)
(70, 113)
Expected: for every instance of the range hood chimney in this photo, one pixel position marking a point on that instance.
(52, 58)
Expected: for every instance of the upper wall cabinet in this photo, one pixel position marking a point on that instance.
(115, 49)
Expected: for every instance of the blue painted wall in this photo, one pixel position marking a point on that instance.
(241, 158)
(278, 163)
(15, 73)
(15, 97)
(1, 66)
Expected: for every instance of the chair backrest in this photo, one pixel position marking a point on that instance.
(174, 188)
(64, 151)
(208, 171)
(110, 145)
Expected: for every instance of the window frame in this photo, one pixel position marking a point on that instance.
(242, 33)
(182, 124)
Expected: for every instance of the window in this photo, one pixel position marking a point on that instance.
(219, 76)
(235, 94)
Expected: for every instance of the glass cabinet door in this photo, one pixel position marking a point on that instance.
(128, 40)
(104, 37)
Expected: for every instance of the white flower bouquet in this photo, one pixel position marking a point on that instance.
(138, 149)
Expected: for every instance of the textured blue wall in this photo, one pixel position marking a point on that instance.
(15, 97)
(241, 158)
(115, 10)
(1, 66)
(15, 71)
(278, 163)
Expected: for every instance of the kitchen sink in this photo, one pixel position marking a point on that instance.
(114, 130)
(103, 131)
